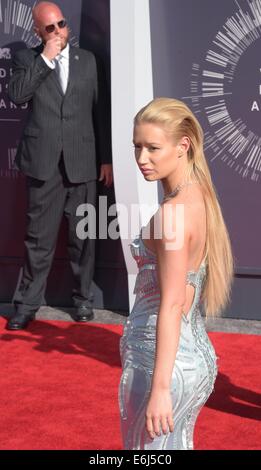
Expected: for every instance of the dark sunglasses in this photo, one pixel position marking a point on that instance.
(51, 27)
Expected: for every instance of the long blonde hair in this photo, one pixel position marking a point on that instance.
(179, 121)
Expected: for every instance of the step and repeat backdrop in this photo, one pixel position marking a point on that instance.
(89, 23)
(209, 56)
(16, 32)
(204, 52)
(207, 53)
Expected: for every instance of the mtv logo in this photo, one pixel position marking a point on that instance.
(5, 53)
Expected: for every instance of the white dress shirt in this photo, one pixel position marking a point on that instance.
(63, 59)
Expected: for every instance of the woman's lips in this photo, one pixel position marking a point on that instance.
(146, 171)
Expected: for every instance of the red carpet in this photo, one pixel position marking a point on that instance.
(59, 385)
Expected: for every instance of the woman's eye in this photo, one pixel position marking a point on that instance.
(150, 149)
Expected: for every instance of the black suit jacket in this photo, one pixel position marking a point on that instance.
(56, 122)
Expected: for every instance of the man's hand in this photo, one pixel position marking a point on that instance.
(106, 174)
(52, 48)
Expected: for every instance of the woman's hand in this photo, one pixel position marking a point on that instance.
(159, 414)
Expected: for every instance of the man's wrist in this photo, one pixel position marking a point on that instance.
(48, 61)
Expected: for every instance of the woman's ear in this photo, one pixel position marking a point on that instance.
(183, 146)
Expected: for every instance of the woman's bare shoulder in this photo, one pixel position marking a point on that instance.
(192, 200)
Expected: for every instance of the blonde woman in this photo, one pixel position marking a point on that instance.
(185, 263)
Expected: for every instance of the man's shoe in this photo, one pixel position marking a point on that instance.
(83, 314)
(19, 321)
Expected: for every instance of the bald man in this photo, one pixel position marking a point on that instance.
(66, 125)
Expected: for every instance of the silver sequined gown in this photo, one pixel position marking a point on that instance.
(194, 371)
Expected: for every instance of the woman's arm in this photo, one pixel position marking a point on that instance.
(172, 256)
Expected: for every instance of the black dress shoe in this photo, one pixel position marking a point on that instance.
(19, 321)
(83, 314)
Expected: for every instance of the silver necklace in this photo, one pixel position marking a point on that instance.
(176, 190)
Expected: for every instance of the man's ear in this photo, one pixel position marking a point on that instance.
(37, 31)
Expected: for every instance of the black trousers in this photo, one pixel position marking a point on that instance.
(47, 202)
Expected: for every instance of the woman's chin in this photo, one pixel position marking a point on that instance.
(150, 177)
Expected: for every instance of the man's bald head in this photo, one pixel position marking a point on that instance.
(43, 9)
(45, 14)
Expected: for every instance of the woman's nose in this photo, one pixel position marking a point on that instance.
(142, 156)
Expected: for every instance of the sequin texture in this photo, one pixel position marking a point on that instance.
(195, 368)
